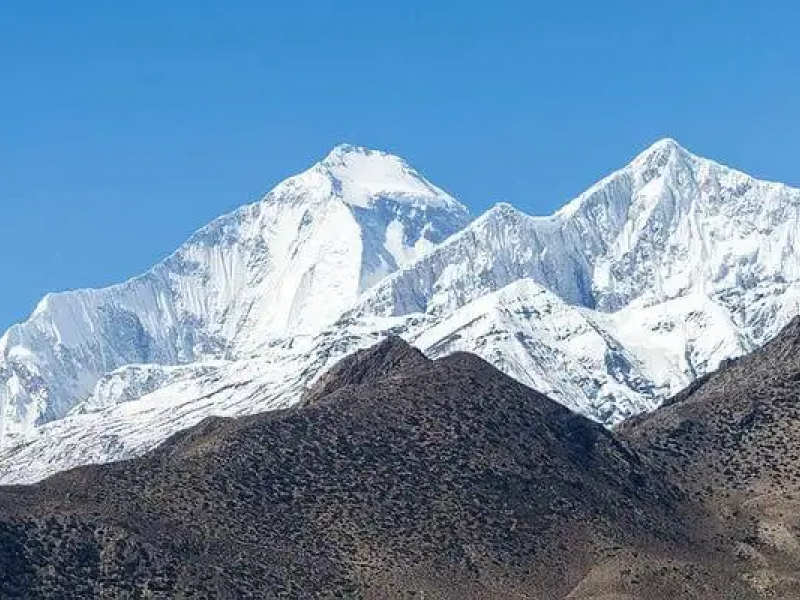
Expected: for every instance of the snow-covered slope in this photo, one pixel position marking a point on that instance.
(641, 284)
(682, 261)
(667, 225)
(595, 363)
(289, 263)
(672, 223)
(561, 350)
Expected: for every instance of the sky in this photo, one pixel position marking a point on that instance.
(125, 126)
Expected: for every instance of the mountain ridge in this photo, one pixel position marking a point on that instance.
(442, 478)
(406, 476)
(302, 250)
(672, 251)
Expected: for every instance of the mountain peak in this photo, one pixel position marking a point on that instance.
(666, 142)
(659, 153)
(360, 176)
(342, 151)
(503, 211)
(391, 356)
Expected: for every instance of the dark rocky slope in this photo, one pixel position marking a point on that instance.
(731, 441)
(398, 477)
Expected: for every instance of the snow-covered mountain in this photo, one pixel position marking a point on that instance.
(667, 225)
(291, 262)
(644, 282)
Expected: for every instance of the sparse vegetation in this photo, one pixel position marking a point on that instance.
(404, 477)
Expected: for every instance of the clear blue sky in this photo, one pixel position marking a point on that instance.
(124, 126)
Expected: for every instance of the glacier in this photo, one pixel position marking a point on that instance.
(641, 284)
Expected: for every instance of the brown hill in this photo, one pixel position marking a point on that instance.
(398, 477)
(732, 442)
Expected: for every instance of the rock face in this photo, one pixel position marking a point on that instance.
(633, 290)
(400, 476)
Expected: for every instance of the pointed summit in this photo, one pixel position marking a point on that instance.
(360, 176)
(646, 166)
(340, 152)
(666, 143)
(392, 356)
(501, 214)
(504, 207)
(659, 154)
